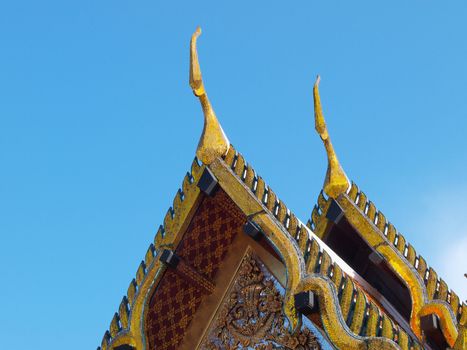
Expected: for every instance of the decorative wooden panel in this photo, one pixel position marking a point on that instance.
(204, 245)
(251, 315)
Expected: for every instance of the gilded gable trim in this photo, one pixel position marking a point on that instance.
(421, 281)
(127, 324)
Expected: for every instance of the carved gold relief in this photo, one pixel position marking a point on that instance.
(251, 316)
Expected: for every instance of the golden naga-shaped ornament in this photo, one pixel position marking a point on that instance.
(336, 181)
(213, 142)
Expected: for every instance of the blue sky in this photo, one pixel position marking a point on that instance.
(98, 127)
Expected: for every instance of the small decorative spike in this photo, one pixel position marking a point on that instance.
(213, 142)
(461, 342)
(336, 181)
(131, 292)
(105, 341)
(114, 326)
(123, 313)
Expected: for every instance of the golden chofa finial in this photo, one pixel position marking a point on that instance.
(336, 181)
(213, 142)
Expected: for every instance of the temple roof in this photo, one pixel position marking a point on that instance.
(429, 293)
(353, 313)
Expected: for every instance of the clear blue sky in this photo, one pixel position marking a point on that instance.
(98, 127)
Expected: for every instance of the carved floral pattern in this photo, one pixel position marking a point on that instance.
(251, 316)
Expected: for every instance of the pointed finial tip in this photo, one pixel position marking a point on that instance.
(318, 79)
(196, 80)
(197, 32)
(320, 124)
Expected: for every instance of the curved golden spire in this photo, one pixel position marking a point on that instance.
(213, 142)
(336, 181)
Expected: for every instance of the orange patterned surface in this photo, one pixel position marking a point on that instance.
(204, 245)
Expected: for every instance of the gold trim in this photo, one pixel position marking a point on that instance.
(331, 316)
(408, 275)
(448, 327)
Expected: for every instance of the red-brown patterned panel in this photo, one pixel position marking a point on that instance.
(204, 245)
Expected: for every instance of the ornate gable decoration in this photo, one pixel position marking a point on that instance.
(251, 315)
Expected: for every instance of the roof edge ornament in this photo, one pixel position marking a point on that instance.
(213, 142)
(336, 181)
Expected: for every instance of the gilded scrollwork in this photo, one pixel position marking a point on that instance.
(251, 315)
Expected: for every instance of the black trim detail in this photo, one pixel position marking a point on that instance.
(208, 183)
(253, 230)
(335, 212)
(376, 258)
(306, 302)
(169, 258)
